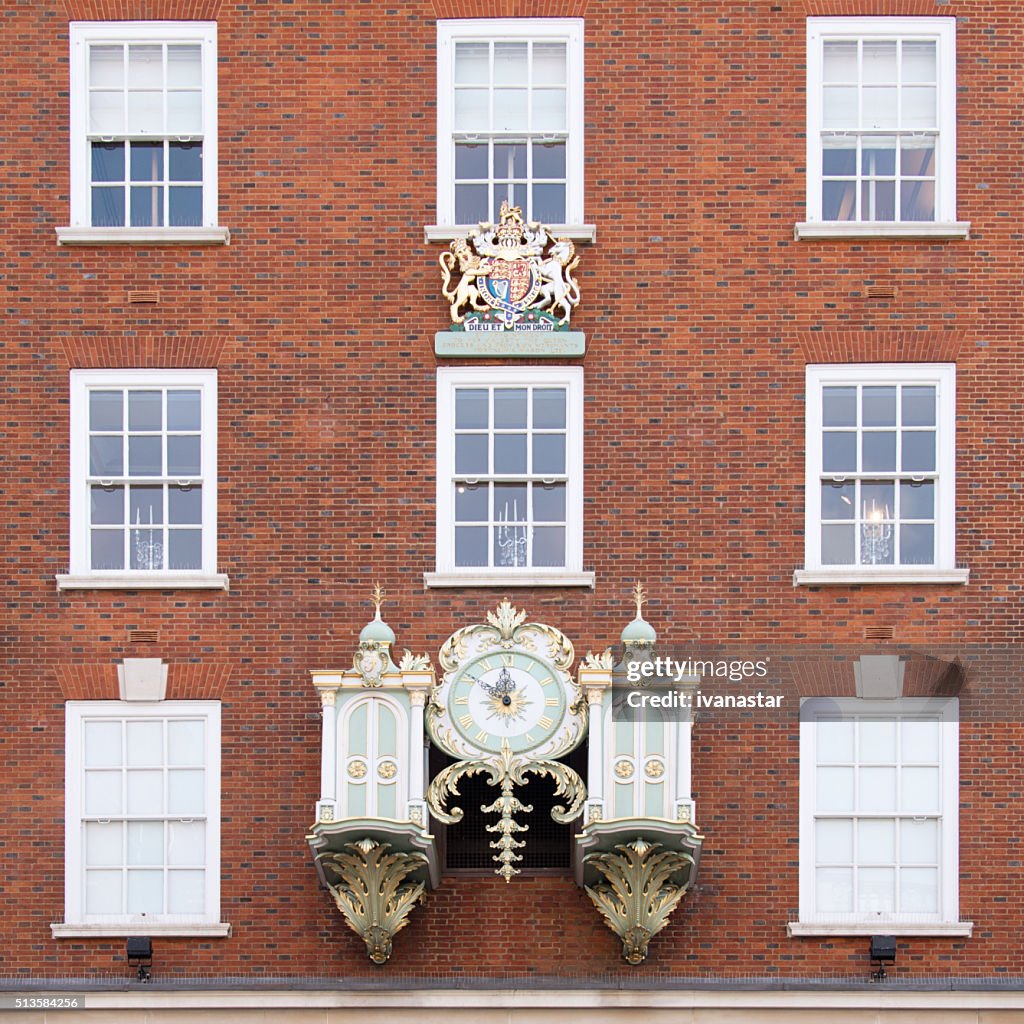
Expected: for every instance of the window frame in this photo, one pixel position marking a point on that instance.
(943, 377)
(452, 31)
(82, 35)
(82, 575)
(77, 923)
(946, 921)
(447, 573)
(943, 31)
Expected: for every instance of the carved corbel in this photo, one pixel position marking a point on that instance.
(371, 895)
(639, 897)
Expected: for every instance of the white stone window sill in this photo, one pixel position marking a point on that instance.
(143, 236)
(585, 234)
(847, 576)
(881, 229)
(798, 929)
(535, 578)
(113, 931)
(144, 581)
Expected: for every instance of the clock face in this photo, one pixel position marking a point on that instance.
(506, 696)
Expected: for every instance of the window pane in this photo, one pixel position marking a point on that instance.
(510, 160)
(879, 407)
(145, 892)
(549, 110)
(106, 113)
(471, 110)
(834, 742)
(917, 500)
(145, 743)
(839, 407)
(145, 113)
(549, 503)
(103, 892)
(145, 842)
(839, 61)
(102, 744)
(548, 454)
(185, 743)
(917, 157)
(549, 546)
(835, 789)
(147, 161)
(107, 549)
(102, 793)
(510, 503)
(877, 742)
(878, 156)
(145, 410)
(549, 160)
(105, 410)
(839, 451)
(919, 841)
(145, 66)
(510, 407)
(917, 200)
(876, 841)
(106, 506)
(183, 455)
(183, 410)
(185, 892)
(833, 841)
(146, 549)
(185, 505)
(548, 204)
(919, 108)
(837, 501)
(549, 63)
(839, 107)
(108, 208)
(918, 406)
(146, 506)
(918, 451)
(510, 453)
(185, 792)
(510, 112)
(879, 61)
(837, 545)
(185, 113)
(187, 843)
(106, 66)
(103, 843)
(510, 66)
(186, 207)
(876, 890)
(917, 545)
(876, 789)
(470, 161)
(879, 107)
(920, 789)
(471, 504)
(471, 453)
(184, 66)
(105, 456)
(107, 161)
(147, 207)
(834, 890)
(145, 792)
(549, 408)
(471, 204)
(470, 546)
(920, 741)
(839, 155)
(919, 891)
(839, 200)
(472, 63)
(510, 546)
(878, 451)
(876, 544)
(919, 61)
(877, 501)
(878, 200)
(186, 161)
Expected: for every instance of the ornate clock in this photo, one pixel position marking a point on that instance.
(506, 707)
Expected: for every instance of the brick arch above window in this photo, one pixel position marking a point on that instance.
(509, 8)
(142, 10)
(184, 681)
(880, 346)
(875, 8)
(193, 353)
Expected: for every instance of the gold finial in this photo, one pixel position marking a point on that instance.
(378, 599)
(639, 596)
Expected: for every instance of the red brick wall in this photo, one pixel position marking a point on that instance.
(700, 311)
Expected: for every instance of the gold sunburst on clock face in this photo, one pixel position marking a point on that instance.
(508, 696)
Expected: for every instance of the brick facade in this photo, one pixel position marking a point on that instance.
(701, 312)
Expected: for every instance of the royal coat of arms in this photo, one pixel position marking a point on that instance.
(510, 276)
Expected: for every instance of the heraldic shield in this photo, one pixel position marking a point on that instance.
(515, 269)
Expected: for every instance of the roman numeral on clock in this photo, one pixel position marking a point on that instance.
(466, 721)
(461, 700)
(482, 737)
(544, 721)
(551, 702)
